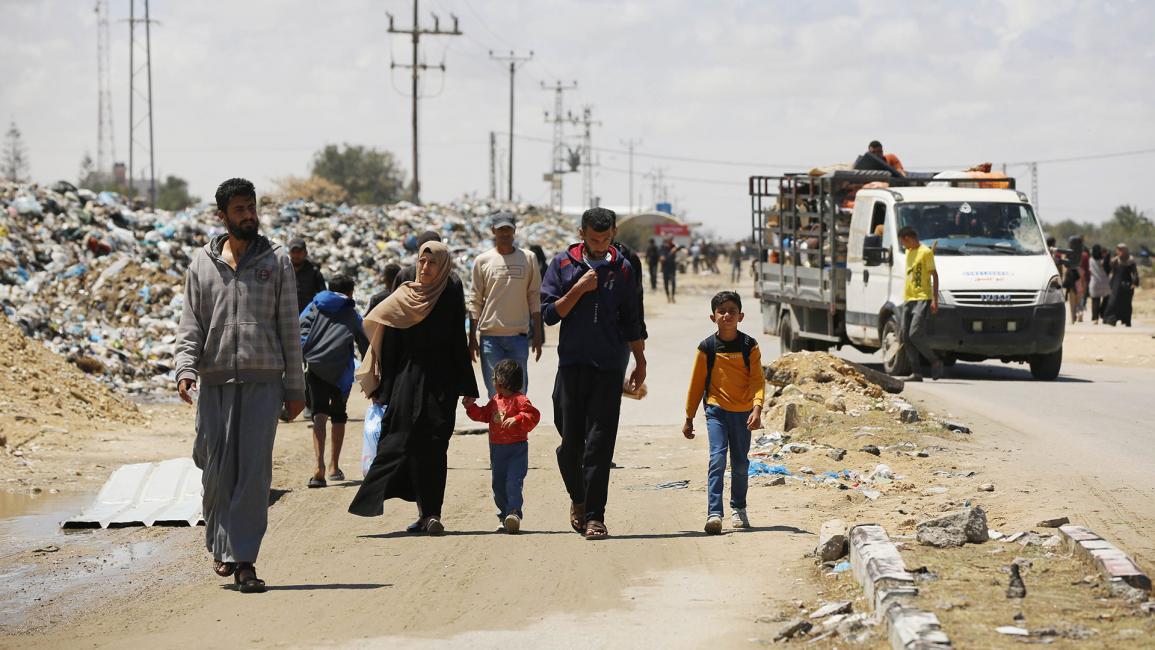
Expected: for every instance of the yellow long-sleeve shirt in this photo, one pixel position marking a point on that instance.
(732, 386)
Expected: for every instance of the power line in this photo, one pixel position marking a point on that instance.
(1096, 156)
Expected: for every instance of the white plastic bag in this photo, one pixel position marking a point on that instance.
(373, 417)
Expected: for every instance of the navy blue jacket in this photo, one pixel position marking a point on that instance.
(602, 321)
(330, 329)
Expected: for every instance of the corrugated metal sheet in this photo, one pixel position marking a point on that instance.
(168, 492)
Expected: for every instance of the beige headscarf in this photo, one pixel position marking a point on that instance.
(404, 308)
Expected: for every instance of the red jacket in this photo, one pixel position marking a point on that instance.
(498, 409)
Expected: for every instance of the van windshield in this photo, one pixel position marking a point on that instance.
(974, 228)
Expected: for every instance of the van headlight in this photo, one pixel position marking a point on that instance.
(1052, 292)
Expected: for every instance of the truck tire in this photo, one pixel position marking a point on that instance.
(787, 342)
(1045, 367)
(894, 361)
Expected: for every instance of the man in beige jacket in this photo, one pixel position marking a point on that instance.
(505, 303)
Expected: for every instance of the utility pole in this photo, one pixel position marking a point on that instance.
(588, 157)
(492, 165)
(513, 61)
(630, 144)
(133, 97)
(1034, 184)
(657, 185)
(558, 163)
(415, 68)
(105, 142)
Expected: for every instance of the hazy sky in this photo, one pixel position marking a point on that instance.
(253, 87)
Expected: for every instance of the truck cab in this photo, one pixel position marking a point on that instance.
(832, 271)
(999, 291)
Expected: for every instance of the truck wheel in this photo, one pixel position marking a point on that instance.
(787, 342)
(894, 361)
(1045, 367)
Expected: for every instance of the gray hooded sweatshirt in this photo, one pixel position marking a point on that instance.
(241, 326)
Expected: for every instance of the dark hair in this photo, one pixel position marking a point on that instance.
(600, 219)
(724, 297)
(1096, 252)
(907, 231)
(507, 374)
(341, 284)
(234, 187)
(426, 237)
(391, 271)
(873, 144)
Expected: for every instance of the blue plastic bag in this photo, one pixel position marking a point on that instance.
(758, 468)
(373, 417)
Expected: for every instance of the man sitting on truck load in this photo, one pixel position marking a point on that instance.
(920, 301)
(875, 160)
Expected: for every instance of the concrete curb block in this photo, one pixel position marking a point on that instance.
(1113, 564)
(877, 565)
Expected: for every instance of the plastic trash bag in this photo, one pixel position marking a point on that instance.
(373, 417)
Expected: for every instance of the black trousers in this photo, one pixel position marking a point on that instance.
(586, 403)
(670, 282)
(654, 276)
(1098, 306)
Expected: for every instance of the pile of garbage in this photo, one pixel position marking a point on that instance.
(100, 282)
(40, 390)
(800, 368)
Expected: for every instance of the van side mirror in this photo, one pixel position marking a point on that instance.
(873, 252)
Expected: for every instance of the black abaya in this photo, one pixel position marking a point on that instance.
(424, 369)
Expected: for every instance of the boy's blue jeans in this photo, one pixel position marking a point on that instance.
(494, 349)
(727, 430)
(510, 464)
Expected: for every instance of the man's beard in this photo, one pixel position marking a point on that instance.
(244, 232)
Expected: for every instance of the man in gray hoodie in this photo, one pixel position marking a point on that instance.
(238, 337)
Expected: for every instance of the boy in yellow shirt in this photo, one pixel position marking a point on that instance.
(728, 381)
(920, 301)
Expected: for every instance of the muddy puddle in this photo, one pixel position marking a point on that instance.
(31, 520)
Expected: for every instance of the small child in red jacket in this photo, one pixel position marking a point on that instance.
(511, 417)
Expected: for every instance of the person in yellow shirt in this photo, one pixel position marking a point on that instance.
(728, 381)
(920, 302)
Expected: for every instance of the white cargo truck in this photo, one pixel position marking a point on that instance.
(831, 269)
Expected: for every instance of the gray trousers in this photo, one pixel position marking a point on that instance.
(235, 428)
(915, 320)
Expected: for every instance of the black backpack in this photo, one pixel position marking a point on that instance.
(709, 347)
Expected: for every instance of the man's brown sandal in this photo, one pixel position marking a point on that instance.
(577, 517)
(224, 569)
(246, 579)
(596, 530)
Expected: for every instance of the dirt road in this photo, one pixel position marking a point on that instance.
(338, 580)
(1077, 447)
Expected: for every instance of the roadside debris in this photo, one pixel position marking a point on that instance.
(955, 529)
(1053, 523)
(794, 628)
(1016, 588)
(832, 541)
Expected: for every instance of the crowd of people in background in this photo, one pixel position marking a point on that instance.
(1107, 282)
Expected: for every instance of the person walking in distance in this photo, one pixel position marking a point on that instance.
(670, 269)
(388, 276)
(505, 304)
(1124, 282)
(511, 416)
(238, 338)
(310, 280)
(653, 258)
(1099, 286)
(590, 290)
(331, 334)
(920, 303)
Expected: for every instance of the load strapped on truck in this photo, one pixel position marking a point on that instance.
(830, 271)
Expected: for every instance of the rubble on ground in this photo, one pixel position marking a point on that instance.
(39, 390)
(100, 282)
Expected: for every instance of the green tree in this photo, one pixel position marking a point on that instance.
(173, 194)
(368, 175)
(14, 161)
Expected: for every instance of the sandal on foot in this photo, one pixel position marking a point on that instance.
(596, 530)
(224, 569)
(337, 476)
(577, 517)
(317, 482)
(433, 526)
(246, 579)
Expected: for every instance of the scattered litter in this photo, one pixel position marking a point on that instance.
(793, 629)
(957, 427)
(672, 485)
(758, 468)
(839, 607)
(1012, 630)
(987, 487)
(51, 548)
(841, 567)
(1053, 523)
(873, 450)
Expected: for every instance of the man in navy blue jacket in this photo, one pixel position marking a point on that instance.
(590, 289)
